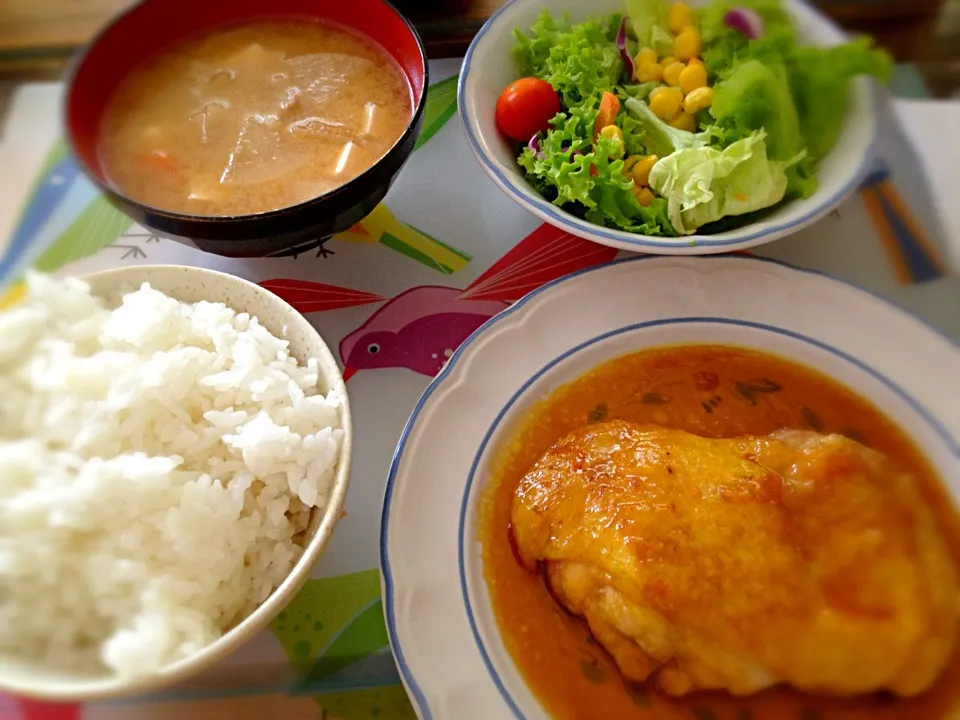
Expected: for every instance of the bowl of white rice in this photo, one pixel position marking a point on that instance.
(174, 454)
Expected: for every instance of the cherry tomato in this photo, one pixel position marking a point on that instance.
(525, 107)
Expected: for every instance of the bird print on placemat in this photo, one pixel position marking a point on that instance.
(420, 328)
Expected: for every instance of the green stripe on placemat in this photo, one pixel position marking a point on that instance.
(320, 613)
(440, 106)
(395, 243)
(97, 226)
(450, 248)
(363, 636)
(385, 703)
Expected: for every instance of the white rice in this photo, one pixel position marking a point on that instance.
(158, 463)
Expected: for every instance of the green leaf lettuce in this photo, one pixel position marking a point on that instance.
(603, 196)
(703, 184)
(648, 18)
(580, 61)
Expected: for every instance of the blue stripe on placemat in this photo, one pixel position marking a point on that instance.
(911, 253)
(918, 256)
(880, 172)
(47, 196)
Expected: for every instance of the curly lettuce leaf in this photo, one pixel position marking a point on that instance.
(580, 61)
(558, 166)
(704, 184)
(604, 196)
(634, 133)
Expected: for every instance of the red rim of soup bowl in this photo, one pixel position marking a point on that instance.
(120, 46)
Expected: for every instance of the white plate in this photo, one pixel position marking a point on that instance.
(441, 626)
(489, 66)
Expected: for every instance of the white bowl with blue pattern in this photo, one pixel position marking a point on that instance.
(489, 66)
(440, 618)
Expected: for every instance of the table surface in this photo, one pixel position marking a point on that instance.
(420, 236)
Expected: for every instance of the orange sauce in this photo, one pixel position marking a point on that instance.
(713, 391)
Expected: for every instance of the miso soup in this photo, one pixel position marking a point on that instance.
(253, 118)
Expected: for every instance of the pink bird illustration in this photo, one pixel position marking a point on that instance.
(420, 328)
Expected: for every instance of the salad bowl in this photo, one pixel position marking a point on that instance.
(490, 65)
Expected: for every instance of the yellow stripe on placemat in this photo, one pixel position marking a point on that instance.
(380, 226)
(12, 296)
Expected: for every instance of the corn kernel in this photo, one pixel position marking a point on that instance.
(646, 55)
(629, 163)
(665, 102)
(687, 44)
(684, 121)
(692, 77)
(612, 132)
(671, 73)
(643, 195)
(680, 17)
(641, 169)
(698, 100)
(669, 59)
(694, 61)
(648, 72)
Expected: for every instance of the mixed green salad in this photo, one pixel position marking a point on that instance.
(667, 119)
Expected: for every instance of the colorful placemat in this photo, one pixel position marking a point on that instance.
(396, 294)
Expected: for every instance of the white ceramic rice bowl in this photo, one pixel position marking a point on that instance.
(190, 284)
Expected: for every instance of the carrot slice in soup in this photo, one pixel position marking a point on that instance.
(158, 160)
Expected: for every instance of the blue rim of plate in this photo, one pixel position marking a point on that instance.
(556, 215)
(410, 682)
(929, 418)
